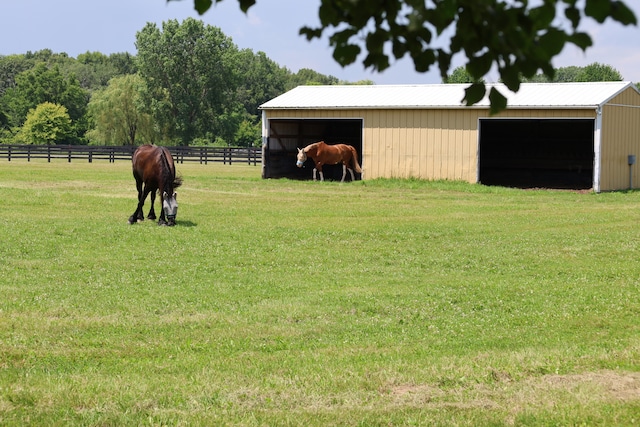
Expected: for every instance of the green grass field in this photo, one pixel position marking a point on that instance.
(291, 303)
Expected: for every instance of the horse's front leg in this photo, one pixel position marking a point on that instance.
(162, 220)
(152, 212)
(138, 215)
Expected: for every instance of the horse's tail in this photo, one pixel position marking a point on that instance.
(355, 160)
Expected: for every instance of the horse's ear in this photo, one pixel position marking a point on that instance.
(175, 195)
(299, 150)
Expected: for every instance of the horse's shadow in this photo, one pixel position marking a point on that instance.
(187, 223)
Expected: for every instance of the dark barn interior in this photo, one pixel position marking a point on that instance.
(287, 135)
(537, 153)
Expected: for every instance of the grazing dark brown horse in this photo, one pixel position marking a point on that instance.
(324, 154)
(153, 166)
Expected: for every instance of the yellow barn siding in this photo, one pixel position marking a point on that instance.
(620, 138)
(427, 144)
(420, 144)
(405, 134)
(421, 138)
(413, 138)
(430, 142)
(397, 147)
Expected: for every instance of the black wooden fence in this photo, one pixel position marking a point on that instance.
(204, 155)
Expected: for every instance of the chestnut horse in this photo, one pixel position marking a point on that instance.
(324, 154)
(153, 166)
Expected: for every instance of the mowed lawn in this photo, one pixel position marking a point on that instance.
(291, 303)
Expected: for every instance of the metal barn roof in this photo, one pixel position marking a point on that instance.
(530, 95)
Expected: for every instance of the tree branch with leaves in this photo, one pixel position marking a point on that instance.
(519, 39)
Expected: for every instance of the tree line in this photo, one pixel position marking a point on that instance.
(188, 84)
(594, 72)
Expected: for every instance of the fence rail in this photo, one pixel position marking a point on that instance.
(204, 155)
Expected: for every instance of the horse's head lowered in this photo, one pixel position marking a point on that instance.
(170, 207)
(302, 157)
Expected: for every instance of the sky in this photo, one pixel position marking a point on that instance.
(110, 26)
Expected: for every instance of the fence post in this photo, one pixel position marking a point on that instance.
(69, 153)
(9, 154)
(48, 153)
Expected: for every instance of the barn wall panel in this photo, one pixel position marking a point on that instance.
(620, 138)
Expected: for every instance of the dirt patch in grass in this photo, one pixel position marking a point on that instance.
(616, 385)
(544, 391)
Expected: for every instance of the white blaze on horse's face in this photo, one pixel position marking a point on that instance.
(302, 157)
(170, 207)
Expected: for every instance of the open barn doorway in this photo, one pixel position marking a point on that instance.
(537, 153)
(285, 136)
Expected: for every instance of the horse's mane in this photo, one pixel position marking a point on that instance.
(312, 146)
(169, 178)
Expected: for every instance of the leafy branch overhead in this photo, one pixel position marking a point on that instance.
(515, 38)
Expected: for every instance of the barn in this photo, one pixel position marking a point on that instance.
(552, 135)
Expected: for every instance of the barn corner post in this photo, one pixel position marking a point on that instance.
(265, 142)
(597, 150)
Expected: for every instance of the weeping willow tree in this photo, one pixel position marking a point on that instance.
(118, 114)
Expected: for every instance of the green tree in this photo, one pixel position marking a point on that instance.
(10, 67)
(518, 38)
(43, 84)
(124, 63)
(566, 74)
(359, 82)
(249, 134)
(460, 75)
(48, 123)
(118, 115)
(260, 79)
(189, 72)
(93, 70)
(591, 73)
(307, 76)
(599, 73)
